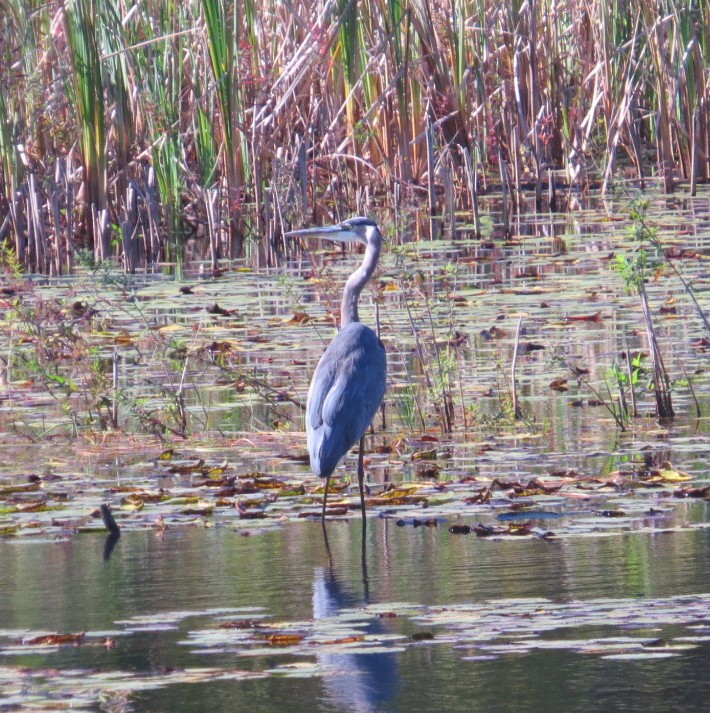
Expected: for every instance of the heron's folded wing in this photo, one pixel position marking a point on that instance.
(346, 391)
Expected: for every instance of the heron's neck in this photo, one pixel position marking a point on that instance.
(355, 283)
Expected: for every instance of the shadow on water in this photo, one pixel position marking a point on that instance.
(353, 682)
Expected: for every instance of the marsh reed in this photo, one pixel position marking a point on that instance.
(132, 130)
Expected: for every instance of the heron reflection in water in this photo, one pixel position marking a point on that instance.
(348, 384)
(354, 682)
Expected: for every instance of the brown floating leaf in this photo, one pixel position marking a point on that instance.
(559, 385)
(564, 473)
(428, 470)
(331, 511)
(34, 506)
(534, 486)
(25, 488)
(596, 317)
(123, 339)
(398, 496)
(284, 639)
(333, 487)
(703, 492)
(299, 318)
(220, 311)
(219, 347)
(482, 496)
(482, 530)
(55, 640)
(345, 640)
(187, 468)
(520, 528)
(140, 497)
(269, 483)
(424, 455)
(293, 491)
(611, 513)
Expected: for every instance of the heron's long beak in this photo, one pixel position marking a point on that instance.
(340, 233)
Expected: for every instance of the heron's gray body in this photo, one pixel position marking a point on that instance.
(347, 389)
(349, 382)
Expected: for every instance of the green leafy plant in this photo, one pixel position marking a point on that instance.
(635, 269)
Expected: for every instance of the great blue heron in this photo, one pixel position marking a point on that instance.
(349, 382)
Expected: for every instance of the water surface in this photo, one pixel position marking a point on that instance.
(161, 598)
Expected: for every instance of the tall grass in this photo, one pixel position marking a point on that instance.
(86, 94)
(130, 115)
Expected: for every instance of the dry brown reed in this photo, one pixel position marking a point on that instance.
(133, 131)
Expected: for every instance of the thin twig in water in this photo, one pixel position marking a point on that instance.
(517, 411)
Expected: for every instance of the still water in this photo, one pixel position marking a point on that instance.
(425, 621)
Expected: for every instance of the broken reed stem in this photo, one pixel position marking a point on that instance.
(109, 523)
(114, 404)
(661, 381)
(180, 398)
(517, 411)
(472, 181)
(505, 193)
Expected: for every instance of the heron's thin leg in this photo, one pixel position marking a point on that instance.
(361, 475)
(363, 555)
(325, 496)
(327, 545)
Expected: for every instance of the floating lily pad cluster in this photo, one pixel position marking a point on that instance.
(178, 489)
(336, 646)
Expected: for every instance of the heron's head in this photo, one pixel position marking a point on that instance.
(359, 229)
